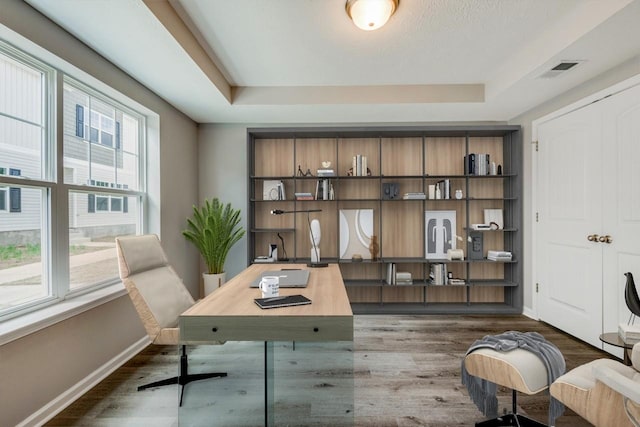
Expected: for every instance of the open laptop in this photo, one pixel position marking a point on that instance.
(288, 278)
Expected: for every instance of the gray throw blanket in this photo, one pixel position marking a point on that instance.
(483, 392)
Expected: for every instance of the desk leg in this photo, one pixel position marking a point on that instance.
(268, 384)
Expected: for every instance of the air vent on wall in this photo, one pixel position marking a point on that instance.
(559, 69)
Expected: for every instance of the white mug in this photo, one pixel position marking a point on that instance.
(270, 286)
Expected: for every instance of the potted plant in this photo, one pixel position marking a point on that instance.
(214, 228)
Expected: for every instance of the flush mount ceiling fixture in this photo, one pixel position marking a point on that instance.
(370, 15)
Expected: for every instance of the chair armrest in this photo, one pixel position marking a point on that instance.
(618, 382)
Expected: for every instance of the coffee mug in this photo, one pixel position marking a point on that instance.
(270, 286)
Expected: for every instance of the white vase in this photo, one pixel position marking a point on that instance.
(213, 282)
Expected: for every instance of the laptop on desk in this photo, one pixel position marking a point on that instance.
(288, 278)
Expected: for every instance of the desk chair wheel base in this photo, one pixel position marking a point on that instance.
(184, 378)
(511, 420)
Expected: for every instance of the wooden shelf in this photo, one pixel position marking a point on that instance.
(414, 158)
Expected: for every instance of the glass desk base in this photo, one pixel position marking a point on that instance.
(272, 383)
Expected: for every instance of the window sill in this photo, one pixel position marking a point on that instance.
(22, 326)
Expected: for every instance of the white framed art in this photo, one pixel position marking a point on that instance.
(440, 233)
(356, 229)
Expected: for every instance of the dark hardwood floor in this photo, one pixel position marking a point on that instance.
(406, 373)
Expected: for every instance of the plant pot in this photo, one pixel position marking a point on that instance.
(213, 282)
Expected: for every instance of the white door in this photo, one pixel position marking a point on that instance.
(621, 203)
(569, 194)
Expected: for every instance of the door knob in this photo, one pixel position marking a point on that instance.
(592, 238)
(605, 239)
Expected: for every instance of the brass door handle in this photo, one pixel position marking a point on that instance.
(605, 239)
(592, 238)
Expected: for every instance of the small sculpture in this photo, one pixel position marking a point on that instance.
(326, 164)
(374, 248)
(315, 234)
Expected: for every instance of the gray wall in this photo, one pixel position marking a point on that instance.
(601, 82)
(223, 174)
(41, 366)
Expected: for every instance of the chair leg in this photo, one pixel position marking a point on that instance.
(184, 377)
(513, 419)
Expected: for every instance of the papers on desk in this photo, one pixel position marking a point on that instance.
(284, 301)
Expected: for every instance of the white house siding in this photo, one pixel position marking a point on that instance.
(28, 161)
(21, 90)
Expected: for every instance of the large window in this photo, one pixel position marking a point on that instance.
(101, 196)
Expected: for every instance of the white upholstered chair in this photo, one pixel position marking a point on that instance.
(605, 392)
(159, 296)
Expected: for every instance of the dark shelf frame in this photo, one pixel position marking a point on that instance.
(512, 211)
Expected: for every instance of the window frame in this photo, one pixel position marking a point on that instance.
(55, 192)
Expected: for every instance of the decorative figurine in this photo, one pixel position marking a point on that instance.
(374, 248)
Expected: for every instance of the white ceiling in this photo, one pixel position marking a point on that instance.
(303, 61)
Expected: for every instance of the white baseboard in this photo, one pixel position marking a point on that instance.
(529, 313)
(65, 399)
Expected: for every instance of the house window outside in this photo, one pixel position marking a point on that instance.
(4, 191)
(107, 159)
(25, 135)
(103, 154)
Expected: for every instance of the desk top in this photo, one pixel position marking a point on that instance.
(230, 313)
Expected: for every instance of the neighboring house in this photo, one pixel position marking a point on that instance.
(100, 150)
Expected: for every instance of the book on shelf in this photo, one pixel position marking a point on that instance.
(326, 172)
(305, 197)
(444, 186)
(302, 194)
(438, 274)
(499, 256)
(273, 190)
(477, 164)
(456, 281)
(414, 196)
(281, 193)
(403, 278)
(324, 190)
(359, 165)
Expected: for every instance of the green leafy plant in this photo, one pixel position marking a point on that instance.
(214, 229)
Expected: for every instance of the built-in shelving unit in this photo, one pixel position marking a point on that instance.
(413, 158)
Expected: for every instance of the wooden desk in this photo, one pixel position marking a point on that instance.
(230, 314)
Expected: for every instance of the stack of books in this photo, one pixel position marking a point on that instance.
(445, 188)
(456, 281)
(438, 274)
(359, 165)
(324, 190)
(263, 259)
(304, 196)
(477, 164)
(397, 277)
(499, 256)
(629, 333)
(403, 278)
(326, 172)
(414, 196)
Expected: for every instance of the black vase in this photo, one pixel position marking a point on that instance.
(631, 295)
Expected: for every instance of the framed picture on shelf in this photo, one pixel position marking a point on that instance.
(356, 229)
(440, 233)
